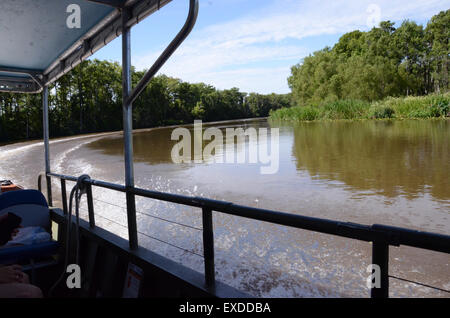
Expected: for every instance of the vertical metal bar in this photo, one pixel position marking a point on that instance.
(46, 143)
(62, 227)
(49, 191)
(64, 196)
(380, 257)
(128, 131)
(39, 183)
(90, 205)
(208, 247)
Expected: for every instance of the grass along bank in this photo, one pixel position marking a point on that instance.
(430, 106)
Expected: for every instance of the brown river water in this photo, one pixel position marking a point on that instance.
(384, 172)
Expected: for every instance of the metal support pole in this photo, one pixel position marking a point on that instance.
(128, 131)
(208, 247)
(39, 182)
(46, 143)
(90, 203)
(380, 257)
(64, 196)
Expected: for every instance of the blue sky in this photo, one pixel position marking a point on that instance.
(251, 44)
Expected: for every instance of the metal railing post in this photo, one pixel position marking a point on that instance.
(64, 196)
(46, 143)
(208, 247)
(90, 204)
(128, 131)
(380, 257)
(40, 182)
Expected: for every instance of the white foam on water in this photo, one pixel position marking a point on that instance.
(61, 159)
(6, 152)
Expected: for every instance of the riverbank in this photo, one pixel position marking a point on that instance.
(430, 106)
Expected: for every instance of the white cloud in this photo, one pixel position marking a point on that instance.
(252, 53)
(263, 79)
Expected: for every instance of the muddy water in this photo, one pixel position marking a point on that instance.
(394, 173)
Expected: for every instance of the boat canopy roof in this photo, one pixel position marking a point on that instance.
(43, 39)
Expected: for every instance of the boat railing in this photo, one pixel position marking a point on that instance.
(381, 236)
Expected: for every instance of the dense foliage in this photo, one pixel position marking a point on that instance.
(385, 61)
(89, 99)
(429, 106)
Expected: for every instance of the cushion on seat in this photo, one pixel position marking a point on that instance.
(30, 205)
